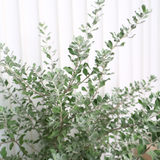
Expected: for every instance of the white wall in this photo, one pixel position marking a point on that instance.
(137, 60)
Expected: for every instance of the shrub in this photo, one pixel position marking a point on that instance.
(64, 108)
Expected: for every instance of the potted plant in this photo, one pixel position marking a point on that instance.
(63, 107)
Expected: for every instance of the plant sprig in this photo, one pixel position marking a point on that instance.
(64, 108)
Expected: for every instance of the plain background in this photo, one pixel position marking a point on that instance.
(137, 60)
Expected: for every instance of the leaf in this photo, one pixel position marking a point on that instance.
(26, 93)
(94, 136)
(68, 69)
(154, 137)
(23, 149)
(36, 141)
(146, 16)
(87, 102)
(48, 56)
(11, 146)
(102, 83)
(122, 44)
(110, 44)
(85, 71)
(157, 152)
(133, 26)
(1, 126)
(48, 38)
(21, 139)
(41, 30)
(6, 82)
(84, 89)
(91, 91)
(54, 133)
(96, 70)
(99, 99)
(74, 86)
(105, 107)
(78, 109)
(140, 101)
(157, 102)
(88, 25)
(3, 140)
(141, 149)
(144, 8)
(158, 145)
(154, 128)
(153, 155)
(145, 141)
(72, 52)
(1, 108)
(89, 35)
(3, 152)
(79, 78)
(128, 21)
(95, 29)
(138, 15)
(11, 135)
(126, 158)
(7, 58)
(41, 24)
(46, 28)
(56, 110)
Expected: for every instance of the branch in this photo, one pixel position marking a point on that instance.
(5, 142)
(72, 80)
(147, 149)
(20, 78)
(91, 30)
(85, 78)
(32, 147)
(19, 147)
(112, 130)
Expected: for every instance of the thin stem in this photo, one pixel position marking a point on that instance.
(85, 79)
(32, 147)
(19, 147)
(72, 80)
(146, 150)
(20, 78)
(5, 142)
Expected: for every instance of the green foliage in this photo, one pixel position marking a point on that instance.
(63, 107)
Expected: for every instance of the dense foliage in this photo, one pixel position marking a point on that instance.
(64, 108)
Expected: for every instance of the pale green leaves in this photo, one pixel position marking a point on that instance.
(109, 44)
(54, 102)
(68, 69)
(154, 128)
(94, 136)
(157, 102)
(3, 152)
(141, 149)
(154, 154)
(71, 51)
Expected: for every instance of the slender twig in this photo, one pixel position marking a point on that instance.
(68, 88)
(32, 147)
(32, 103)
(5, 142)
(19, 147)
(112, 130)
(72, 80)
(146, 150)
(20, 78)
